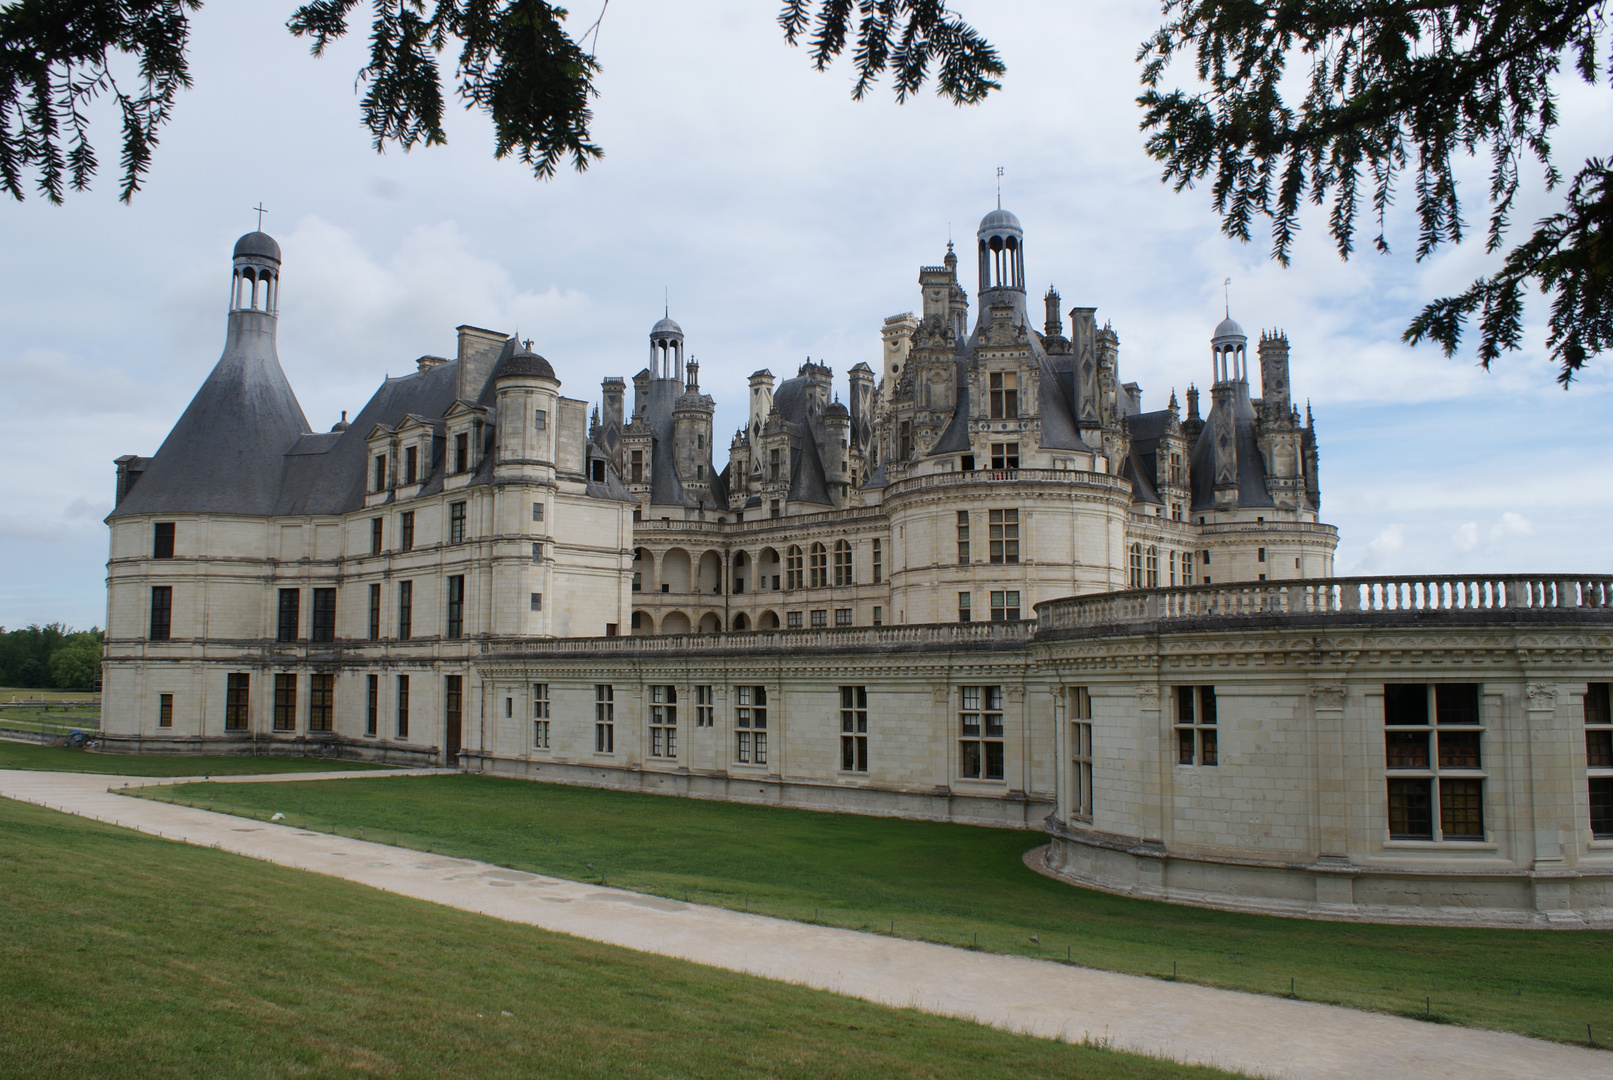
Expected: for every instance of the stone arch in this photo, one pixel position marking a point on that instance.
(741, 622)
(710, 623)
(743, 577)
(643, 623)
(769, 569)
(643, 570)
(674, 622)
(676, 571)
(709, 579)
(767, 620)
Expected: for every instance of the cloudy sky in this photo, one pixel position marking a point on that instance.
(783, 221)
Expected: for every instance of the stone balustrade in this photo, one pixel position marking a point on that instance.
(846, 639)
(1345, 597)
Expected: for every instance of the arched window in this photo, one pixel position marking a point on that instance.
(819, 564)
(793, 578)
(1153, 567)
(1136, 566)
(843, 574)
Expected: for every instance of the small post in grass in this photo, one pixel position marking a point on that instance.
(1589, 1038)
(1290, 986)
(1428, 1006)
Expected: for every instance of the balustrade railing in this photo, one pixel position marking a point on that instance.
(1330, 596)
(1001, 476)
(928, 635)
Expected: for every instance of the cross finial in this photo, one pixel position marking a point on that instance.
(261, 211)
(999, 187)
(1226, 294)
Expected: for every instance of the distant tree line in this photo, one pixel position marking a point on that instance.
(38, 657)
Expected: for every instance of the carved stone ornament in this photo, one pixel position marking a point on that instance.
(1542, 696)
(1148, 695)
(1328, 697)
(1015, 693)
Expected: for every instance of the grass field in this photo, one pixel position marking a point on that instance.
(956, 884)
(21, 755)
(49, 712)
(34, 693)
(123, 955)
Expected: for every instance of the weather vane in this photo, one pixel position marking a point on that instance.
(1226, 294)
(999, 187)
(261, 211)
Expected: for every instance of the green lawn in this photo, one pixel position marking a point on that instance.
(21, 693)
(123, 955)
(21, 755)
(950, 883)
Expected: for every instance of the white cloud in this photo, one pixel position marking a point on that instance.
(1466, 538)
(1511, 525)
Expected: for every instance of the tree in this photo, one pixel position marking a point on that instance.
(1392, 86)
(77, 663)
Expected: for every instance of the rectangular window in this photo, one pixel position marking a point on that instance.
(842, 564)
(963, 607)
(843, 616)
(773, 512)
(1005, 455)
(664, 721)
(773, 466)
(794, 576)
(290, 615)
(380, 472)
(1004, 526)
(411, 464)
(1260, 554)
(456, 606)
(376, 536)
(1080, 706)
(879, 562)
(372, 705)
(285, 702)
(792, 620)
(1004, 387)
(1599, 758)
(705, 706)
(820, 618)
(904, 440)
(1197, 741)
(537, 601)
(162, 545)
(462, 452)
(750, 725)
(375, 612)
(456, 523)
(1153, 567)
(237, 696)
(165, 710)
(635, 467)
(596, 470)
(405, 610)
(540, 420)
(162, 612)
(980, 728)
(453, 701)
(879, 616)
(540, 715)
(963, 537)
(321, 701)
(1433, 754)
(324, 628)
(854, 729)
(403, 707)
(604, 719)
(406, 531)
(1004, 606)
(537, 511)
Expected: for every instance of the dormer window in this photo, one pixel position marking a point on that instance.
(462, 452)
(598, 466)
(411, 464)
(380, 472)
(1004, 386)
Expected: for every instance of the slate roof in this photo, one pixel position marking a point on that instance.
(226, 453)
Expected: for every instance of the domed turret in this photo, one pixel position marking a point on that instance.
(1002, 251)
(666, 349)
(256, 284)
(523, 363)
(1229, 351)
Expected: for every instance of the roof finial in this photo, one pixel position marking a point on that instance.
(666, 300)
(999, 187)
(1226, 295)
(261, 211)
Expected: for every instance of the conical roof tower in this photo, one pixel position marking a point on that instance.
(226, 453)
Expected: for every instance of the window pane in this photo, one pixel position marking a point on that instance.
(1459, 749)
(994, 761)
(1602, 807)
(1410, 810)
(1405, 704)
(1407, 749)
(1599, 748)
(1461, 809)
(1457, 703)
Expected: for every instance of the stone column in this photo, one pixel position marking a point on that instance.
(1551, 793)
